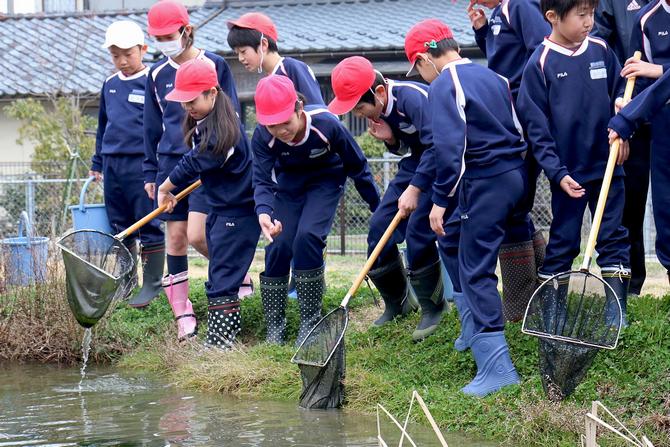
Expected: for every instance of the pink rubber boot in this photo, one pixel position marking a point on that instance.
(176, 289)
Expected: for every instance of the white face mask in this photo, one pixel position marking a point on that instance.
(260, 49)
(171, 48)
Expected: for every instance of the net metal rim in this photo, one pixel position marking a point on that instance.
(63, 248)
(574, 341)
(332, 351)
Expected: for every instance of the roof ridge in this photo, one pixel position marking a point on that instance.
(79, 14)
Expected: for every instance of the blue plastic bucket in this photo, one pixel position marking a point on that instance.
(25, 256)
(89, 216)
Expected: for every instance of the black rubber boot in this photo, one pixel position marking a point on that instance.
(539, 248)
(519, 277)
(619, 280)
(427, 284)
(153, 261)
(554, 303)
(391, 282)
(274, 293)
(309, 285)
(132, 248)
(223, 321)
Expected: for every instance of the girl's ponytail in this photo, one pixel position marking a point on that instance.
(222, 123)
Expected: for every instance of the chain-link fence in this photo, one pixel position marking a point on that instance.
(44, 191)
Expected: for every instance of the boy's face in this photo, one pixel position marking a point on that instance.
(128, 60)
(249, 57)
(575, 26)
(426, 68)
(201, 105)
(367, 110)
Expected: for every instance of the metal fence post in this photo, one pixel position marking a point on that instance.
(343, 224)
(30, 199)
(387, 172)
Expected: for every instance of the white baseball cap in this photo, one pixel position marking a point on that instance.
(123, 34)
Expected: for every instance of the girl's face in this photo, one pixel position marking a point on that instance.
(249, 57)
(574, 27)
(201, 106)
(128, 60)
(174, 44)
(290, 129)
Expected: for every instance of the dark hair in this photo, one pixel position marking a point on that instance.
(221, 126)
(563, 7)
(368, 97)
(246, 37)
(442, 47)
(191, 37)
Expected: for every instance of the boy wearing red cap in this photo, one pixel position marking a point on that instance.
(221, 157)
(397, 114)
(119, 151)
(479, 149)
(508, 38)
(302, 158)
(168, 23)
(253, 37)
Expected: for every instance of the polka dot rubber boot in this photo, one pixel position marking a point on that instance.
(176, 289)
(310, 285)
(519, 277)
(274, 293)
(429, 290)
(223, 321)
(391, 282)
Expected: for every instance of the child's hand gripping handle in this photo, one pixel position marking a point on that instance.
(157, 212)
(373, 257)
(607, 180)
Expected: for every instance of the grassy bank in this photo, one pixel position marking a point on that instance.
(383, 365)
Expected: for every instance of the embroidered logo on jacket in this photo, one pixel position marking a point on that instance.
(633, 6)
(315, 153)
(562, 75)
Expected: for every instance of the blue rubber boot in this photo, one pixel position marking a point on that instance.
(494, 365)
(462, 343)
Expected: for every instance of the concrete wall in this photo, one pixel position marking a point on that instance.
(10, 150)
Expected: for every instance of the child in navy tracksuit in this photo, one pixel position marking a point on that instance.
(302, 158)
(222, 158)
(651, 35)
(119, 151)
(615, 20)
(253, 37)
(479, 149)
(164, 137)
(397, 114)
(566, 98)
(508, 38)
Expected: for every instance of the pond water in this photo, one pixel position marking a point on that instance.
(47, 406)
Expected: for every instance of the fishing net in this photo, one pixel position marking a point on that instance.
(98, 270)
(575, 314)
(321, 358)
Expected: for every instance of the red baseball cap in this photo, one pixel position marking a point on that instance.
(275, 100)
(193, 78)
(166, 17)
(422, 35)
(258, 21)
(350, 79)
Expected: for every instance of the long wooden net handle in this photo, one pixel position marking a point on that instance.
(157, 212)
(373, 257)
(607, 180)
